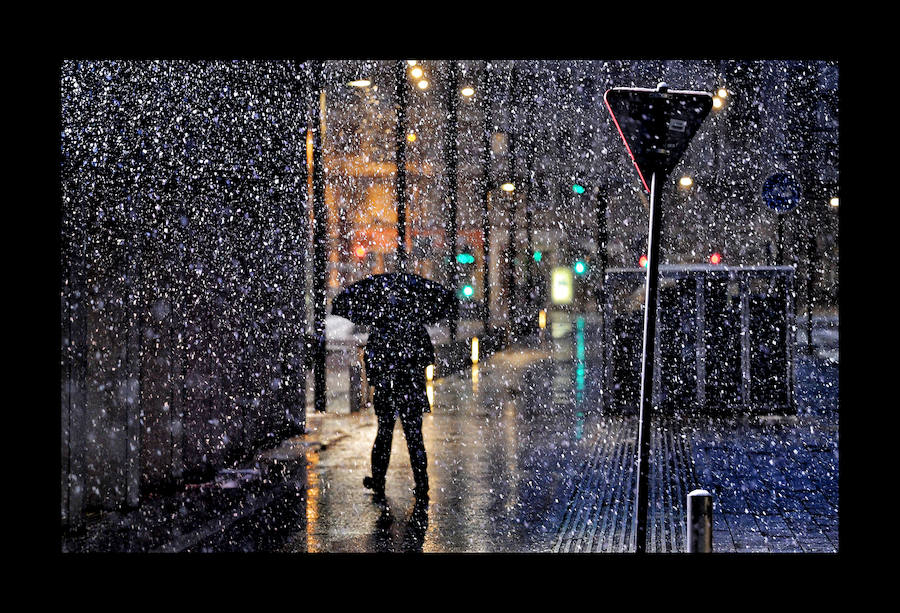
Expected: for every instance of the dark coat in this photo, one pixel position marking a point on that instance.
(395, 359)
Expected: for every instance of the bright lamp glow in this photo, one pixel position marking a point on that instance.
(835, 202)
(467, 92)
(508, 187)
(423, 84)
(685, 181)
(416, 72)
(360, 83)
(561, 282)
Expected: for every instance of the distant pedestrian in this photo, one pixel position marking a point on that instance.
(396, 357)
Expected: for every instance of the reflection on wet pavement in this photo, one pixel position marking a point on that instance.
(499, 449)
(521, 458)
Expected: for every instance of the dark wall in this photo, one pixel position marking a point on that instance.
(184, 240)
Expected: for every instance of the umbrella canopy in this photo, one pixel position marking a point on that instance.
(395, 298)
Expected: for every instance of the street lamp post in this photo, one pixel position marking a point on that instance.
(512, 285)
(450, 153)
(487, 131)
(320, 238)
(400, 99)
(510, 240)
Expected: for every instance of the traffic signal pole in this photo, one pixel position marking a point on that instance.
(645, 421)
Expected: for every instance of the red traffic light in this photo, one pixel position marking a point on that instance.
(360, 251)
(715, 258)
(643, 261)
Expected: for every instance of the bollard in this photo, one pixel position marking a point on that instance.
(356, 393)
(699, 522)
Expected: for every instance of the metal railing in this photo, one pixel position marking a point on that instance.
(724, 338)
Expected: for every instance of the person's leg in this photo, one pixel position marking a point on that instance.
(381, 448)
(412, 430)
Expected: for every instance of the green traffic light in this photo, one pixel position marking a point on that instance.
(580, 267)
(578, 189)
(537, 256)
(465, 258)
(468, 291)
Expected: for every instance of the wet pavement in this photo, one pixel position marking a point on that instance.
(521, 458)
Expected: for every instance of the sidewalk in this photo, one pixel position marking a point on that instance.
(521, 459)
(542, 472)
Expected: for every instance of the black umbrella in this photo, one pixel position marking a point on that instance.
(395, 298)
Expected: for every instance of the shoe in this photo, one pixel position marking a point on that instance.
(377, 489)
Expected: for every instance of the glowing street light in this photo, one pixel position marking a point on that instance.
(685, 181)
(423, 84)
(467, 92)
(416, 72)
(411, 137)
(719, 98)
(508, 187)
(561, 285)
(360, 83)
(834, 202)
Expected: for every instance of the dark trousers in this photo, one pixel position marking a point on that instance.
(389, 403)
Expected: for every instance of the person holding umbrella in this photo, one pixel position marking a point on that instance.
(396, 357)
(397, 306)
